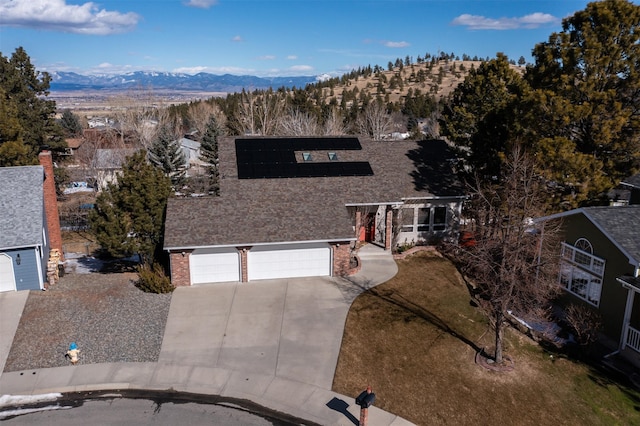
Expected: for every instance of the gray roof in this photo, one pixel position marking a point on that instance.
(633, 181)
(112, 158)
(621, 224)
(21, 206)
(253, 211)
(189, 143)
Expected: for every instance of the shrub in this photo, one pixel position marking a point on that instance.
(401, 248)
(152, 279)
(584, 322)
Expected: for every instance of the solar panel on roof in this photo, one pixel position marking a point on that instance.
(263, 158)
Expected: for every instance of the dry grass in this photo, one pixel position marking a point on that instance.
(414, 340)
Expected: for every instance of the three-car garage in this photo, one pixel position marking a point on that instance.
(272, 261)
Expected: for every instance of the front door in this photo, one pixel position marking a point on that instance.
(370, 228)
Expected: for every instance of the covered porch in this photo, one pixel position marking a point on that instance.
(629, 345)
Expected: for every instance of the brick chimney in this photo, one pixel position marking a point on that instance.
(51, 201)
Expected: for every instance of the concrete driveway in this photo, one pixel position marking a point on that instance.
(289, 328)
(275, 343)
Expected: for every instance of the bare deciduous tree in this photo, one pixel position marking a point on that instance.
(334, 124)
(374, 121)
(585, 323)
(138, 114)
(269, 109)
(199, 114)
(297, 123)
(514, 262)
(260, 112)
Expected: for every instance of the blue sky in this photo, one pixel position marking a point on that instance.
(268, 37)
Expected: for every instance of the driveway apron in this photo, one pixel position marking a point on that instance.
(288, 328)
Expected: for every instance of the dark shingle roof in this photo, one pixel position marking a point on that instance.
(308, 209)
(633, 181)
(621, 224)
(21, 206)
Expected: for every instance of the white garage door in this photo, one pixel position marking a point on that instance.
(7, 280)
(214, 265)
(289, 261)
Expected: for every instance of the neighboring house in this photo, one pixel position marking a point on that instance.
(30, 225)
(191, 152)
(632, 185)
(600, 266)
(73, 144)
(108, 165)
(100, 122)
(294, 207)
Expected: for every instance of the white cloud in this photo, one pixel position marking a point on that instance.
(215, 70)
(395, 44)
(266, 58)
(57, 15)
(292, 57)
(201, 4)
(108, 68)
(477, 22)
(301, 68)
(190, 70)
(237, 38)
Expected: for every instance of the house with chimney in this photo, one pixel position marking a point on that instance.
(31, 240)
(299, 207)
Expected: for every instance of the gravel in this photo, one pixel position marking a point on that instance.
(109, 318)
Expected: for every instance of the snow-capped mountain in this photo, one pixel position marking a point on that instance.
(64, 81)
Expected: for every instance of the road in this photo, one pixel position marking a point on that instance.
(145, 409)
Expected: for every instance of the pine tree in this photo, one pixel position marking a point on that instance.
(70, 123)
(129, 215)
(166, 154)
(587, 83)
(209, 154)
(24, 91)
(480, 116)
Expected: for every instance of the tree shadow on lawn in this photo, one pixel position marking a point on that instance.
(399, 301)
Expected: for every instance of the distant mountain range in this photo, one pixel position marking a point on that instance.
(67, 81)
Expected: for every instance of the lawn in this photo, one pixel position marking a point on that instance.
(414, 339)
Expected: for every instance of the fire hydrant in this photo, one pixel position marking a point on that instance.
(73, 353)
(364, 400)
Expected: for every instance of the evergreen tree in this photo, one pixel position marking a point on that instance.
(129, 215)
(70, 123)
(26, 89)
(209, 154)
(480, 116)
(587, 81)
(166, 154)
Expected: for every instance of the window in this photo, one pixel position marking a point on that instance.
(424, 215)
(581, 272)
(584, 245)
(426, 219)
(407, 220)
(333, 156)
(440, 218)
(306, 156)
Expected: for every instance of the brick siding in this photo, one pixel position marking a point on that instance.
(51, 202)
(180, 275)
(388, 235)
(341, 258)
